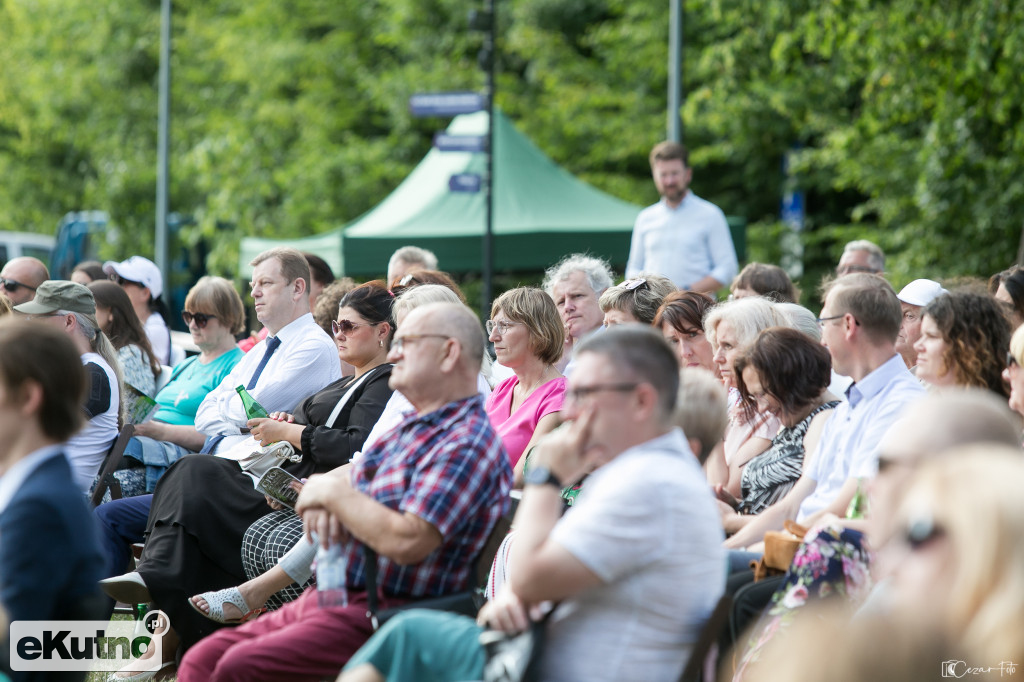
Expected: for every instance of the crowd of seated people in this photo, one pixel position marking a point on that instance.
(405, 442)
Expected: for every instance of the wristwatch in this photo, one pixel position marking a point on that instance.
(541, 476)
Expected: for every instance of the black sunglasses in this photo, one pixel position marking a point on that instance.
(200, 318)
(12, 285)
(121, 281)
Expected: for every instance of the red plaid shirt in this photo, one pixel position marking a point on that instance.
(448, 468)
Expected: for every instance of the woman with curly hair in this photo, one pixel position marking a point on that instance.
(964, 339)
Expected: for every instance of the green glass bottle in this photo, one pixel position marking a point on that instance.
(858, 508)
(253, 410)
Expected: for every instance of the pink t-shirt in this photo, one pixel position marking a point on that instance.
(517, 429)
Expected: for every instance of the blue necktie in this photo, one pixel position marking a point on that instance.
(272, 343)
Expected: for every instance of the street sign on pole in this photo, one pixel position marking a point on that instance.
(465, 182)
(444, 142)
(446, 103)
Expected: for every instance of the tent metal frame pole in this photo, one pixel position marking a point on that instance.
(490, 42)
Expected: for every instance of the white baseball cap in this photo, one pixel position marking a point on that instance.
(921, 292)
(138, 269)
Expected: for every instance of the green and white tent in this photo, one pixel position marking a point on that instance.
(541, 213)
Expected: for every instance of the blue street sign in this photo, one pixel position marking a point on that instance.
(460, 143)
(793, 213)
(446, 103)
(464, 182)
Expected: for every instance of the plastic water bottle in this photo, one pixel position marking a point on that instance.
(331, 567)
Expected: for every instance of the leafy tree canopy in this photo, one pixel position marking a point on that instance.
(901, 120)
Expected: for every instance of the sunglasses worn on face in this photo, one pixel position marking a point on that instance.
(12, 285)
(921, 531)
(347, 327)
(121, 281)
(200, 318)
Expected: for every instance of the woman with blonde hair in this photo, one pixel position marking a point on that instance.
(961, 550)
(730, 328)
(527, 334)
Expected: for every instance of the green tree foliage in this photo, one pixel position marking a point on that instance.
(289, 117)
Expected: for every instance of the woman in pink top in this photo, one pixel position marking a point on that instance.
(527, 334)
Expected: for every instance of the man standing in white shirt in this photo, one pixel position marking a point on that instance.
(682, 237)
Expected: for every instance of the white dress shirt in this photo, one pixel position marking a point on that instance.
(306, 361)
(685, 243)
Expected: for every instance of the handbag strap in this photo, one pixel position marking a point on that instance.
(349, 393)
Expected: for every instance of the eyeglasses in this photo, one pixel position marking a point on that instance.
(502, 326)
(12, 285)
(580, 393)
(200, 318)
(823, 320)
(1010, 360)
(121, 281)
(347, 327)
(398, 344)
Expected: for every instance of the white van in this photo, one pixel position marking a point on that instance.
(17, 244)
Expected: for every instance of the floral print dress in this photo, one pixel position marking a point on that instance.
(832, 562)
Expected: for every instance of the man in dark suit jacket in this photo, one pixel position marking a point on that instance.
(49, 549)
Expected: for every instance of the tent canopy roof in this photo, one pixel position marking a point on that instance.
(541, 212)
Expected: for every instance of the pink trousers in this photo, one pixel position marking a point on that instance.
(299, 641)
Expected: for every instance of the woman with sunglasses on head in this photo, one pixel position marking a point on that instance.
(118, 321)
(141, 280)
(528, 336)
(635, 300)
(214, 314)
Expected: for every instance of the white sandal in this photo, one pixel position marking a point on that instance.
(216, 601)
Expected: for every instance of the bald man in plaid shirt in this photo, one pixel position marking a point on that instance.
(425, 498)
